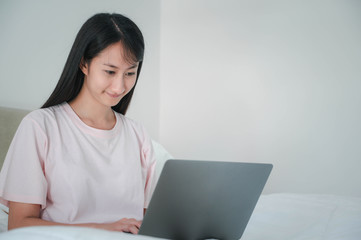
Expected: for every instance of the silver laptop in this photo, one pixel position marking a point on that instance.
(204, 199)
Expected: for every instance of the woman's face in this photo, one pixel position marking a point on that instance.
(109, 77)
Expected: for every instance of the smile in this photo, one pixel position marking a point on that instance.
(114, 95)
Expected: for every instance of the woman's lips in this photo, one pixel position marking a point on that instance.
(114, 95)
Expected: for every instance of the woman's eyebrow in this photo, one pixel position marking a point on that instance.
(133, 66)
(113, 66)
(110, 65)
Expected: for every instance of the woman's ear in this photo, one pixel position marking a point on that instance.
(84, 66)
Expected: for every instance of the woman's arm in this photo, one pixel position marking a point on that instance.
(25, 214)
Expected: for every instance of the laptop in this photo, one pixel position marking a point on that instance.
(204, 199)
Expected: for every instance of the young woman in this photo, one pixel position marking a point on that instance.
(78, 160)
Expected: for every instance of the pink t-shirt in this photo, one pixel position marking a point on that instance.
(79, 174)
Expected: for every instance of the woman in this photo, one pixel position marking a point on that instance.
(79, 161)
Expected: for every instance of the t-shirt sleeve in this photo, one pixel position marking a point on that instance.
(149, 167)
(22, 177)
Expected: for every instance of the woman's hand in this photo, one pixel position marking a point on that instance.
(24, 214)
(124, 225)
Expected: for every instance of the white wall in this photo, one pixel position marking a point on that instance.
(36, 37)
(266, 81)
(259, 81)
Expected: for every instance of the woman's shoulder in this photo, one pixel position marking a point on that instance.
(44, 115)
(129, 121)
(133, 124)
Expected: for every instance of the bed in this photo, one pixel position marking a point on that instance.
(277, 216)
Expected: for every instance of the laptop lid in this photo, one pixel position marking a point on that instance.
(204, 199)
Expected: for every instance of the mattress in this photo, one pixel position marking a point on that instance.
(276, 217)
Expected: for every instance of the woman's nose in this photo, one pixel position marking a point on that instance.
(118, 85)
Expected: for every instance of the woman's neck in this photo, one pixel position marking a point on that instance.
(94, 115)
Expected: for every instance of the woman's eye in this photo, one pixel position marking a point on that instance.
(110, 72)
(130, 74)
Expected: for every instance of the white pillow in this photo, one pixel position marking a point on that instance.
(161, 155)
(3, 218)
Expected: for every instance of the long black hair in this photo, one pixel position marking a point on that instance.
(97, 33)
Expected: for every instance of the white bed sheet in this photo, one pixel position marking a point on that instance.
(68, 233)
(276, 217)
(301, 216)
